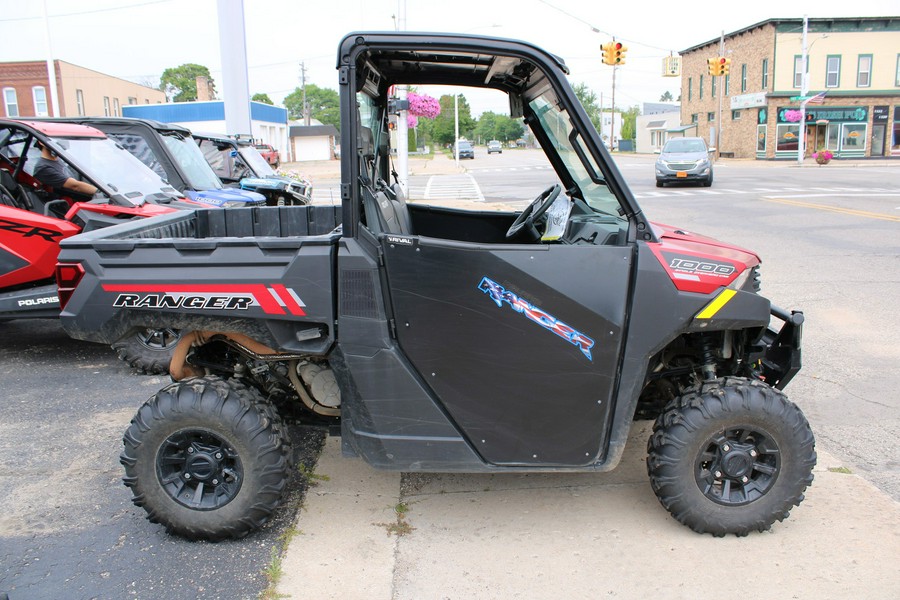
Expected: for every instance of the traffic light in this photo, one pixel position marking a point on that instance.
(618, 54)
(712, 66)
(724, 66)
(607, 53)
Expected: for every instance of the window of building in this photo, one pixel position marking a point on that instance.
(695, 118)
(798, 71)
(765, 74)
(897, 75)
(735, 115)
(833, 71)
(727, 85)
(743, 78)
(712, 85)
(691, 83)
(853, 136)
(787, 137)
(39, 93)
(761, 139)
(864, 71)
(11, 102)
(710, 116)
(105, 106)
(132, 100)
(116, 107)
(701, 87)
(79, 102)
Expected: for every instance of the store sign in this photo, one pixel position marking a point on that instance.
(834, 114)
(880, 114)
(748, 101)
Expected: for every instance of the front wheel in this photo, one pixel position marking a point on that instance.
(731, 457)
(207, 458)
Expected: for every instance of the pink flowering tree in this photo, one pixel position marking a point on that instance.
(792, 116)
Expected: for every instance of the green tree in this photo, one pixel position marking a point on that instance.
(588, 99)
(667, 97)
(493, 126)
(629, 122)
(184, 78)
(324, 105)
(441, 129)
(264, 98)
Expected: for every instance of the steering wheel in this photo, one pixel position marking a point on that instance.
(533, 212)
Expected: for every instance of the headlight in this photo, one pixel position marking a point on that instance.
(747, 281)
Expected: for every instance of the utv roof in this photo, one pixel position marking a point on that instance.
(221, 137)
(449, 58)
(126, 122)
(59, 129)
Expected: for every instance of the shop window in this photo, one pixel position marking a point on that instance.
(11, 101)
(79, 102)
(761, 139)
(833, 72)
(864, 71)
(833, 136)
(787, 137)
(853, 136)
(40, 101)
(765, 74)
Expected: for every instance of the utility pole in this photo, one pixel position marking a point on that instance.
(51, 65)
(305, 108)
(804, 89)
(721, 94)
(612, 109)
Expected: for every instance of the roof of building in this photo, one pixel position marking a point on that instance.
(192, 112)
(312, 131)
(891, 23)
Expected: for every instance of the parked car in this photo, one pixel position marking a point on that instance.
(270, 154)
(170, 151)
(466, 150)
(239, 163)
(494, 146)
(684, 159)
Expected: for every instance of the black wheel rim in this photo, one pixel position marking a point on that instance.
(737, 466)
(198, 469)
(158, 339)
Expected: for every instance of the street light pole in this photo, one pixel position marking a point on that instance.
(804, 88)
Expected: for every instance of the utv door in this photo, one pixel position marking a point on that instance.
(520, 343)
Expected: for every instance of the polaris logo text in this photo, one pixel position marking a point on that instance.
(39, 301)
(704, 268)
(173, 301)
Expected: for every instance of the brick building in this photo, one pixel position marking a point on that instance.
(25, 89)
(856, 61)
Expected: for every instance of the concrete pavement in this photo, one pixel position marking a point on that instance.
(433, 164)
(576, 536)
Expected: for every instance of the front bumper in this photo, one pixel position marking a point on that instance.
(700, 172)
(781, 348)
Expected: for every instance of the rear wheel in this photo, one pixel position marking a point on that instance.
(207, 458)
(148, 350)
(731, 457)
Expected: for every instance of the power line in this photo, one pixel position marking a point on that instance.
(88, 12)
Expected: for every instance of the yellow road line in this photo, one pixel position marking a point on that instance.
(846, 211)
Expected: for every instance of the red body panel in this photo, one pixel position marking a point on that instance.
(29, 245)
(697, 263)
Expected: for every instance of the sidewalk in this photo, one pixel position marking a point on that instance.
(319, 170)
(576, 536)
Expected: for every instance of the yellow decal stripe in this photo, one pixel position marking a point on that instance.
(716, 305)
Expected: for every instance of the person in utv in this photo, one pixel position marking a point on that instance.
(49, 170)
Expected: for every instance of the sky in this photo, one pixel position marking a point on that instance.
(138, 39)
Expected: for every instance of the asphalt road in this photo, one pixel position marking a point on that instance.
(67, 525)
(829, 239)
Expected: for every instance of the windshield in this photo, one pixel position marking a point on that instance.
(111, 165)
(685, 145)
(255, 161)
(555, 122)
(185, 152)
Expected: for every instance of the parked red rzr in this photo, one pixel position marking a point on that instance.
(34, 218)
